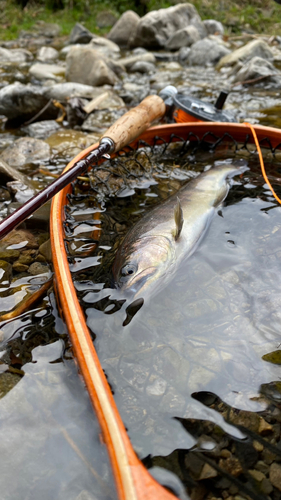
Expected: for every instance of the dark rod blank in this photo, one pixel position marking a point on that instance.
(22, 213)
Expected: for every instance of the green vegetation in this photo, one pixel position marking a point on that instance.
(260, 16)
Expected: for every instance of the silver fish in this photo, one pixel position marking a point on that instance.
(170, 233)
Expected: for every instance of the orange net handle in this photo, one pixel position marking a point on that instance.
(261, 161)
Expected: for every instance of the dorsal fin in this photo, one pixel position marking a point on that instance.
(178, 214)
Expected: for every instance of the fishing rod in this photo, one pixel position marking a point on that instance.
(125, 130)
(177, 107)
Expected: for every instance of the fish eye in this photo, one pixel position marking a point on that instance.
(128, 270)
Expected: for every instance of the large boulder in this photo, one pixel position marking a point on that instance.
(156, 27)
(124, 29)
(86, 65)
(207, 51)
(183, 38)
(256, 48)
(257, 68)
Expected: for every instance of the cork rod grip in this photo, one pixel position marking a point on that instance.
(129, 126)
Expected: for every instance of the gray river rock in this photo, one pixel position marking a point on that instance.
(207, 51)
(257, 68)
(19, 100)
(47, 54)
(106, 47)
(124, 30)
(183, 38)
(213, 27)
(15, 56)
(80, 34)
(86, 65)
(43, 71)
(255, 48)
(156, 27)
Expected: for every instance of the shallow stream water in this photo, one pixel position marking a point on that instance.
(186, 362)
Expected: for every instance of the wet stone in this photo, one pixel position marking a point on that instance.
(207, 472)
(19, 267)
(257, 475)
(5, 271)
(46, 251)
(194, 465)
(37, 268)
(261, 466)
(45, 54)
(275, 475)
(7, 382)
(266, 486)
(232, 466)
(4, 195)
(26, 150)
(41, 130)
(9, 255)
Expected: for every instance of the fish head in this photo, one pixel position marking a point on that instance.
(137, 269)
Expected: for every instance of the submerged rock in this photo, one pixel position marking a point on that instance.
(156, 27)
(8, 173)
(101, 120)
(5, 271)
(21, 192)
(85, 65)
(41, 130)
(124, 30)
(26, 150)
(256, 48)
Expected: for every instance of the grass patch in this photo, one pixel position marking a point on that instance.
(262, 16)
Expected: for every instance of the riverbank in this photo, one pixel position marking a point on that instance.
(259, 17)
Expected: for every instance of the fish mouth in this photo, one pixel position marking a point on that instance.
(138, 282)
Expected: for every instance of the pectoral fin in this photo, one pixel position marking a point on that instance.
(178, 219)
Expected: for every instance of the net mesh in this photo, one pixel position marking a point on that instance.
(233, 468)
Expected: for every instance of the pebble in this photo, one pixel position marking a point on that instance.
(258, 446)
(257, 475)
(266, 486)
(232, 466)
(207, 472)
(38, 268)
(275, 475)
